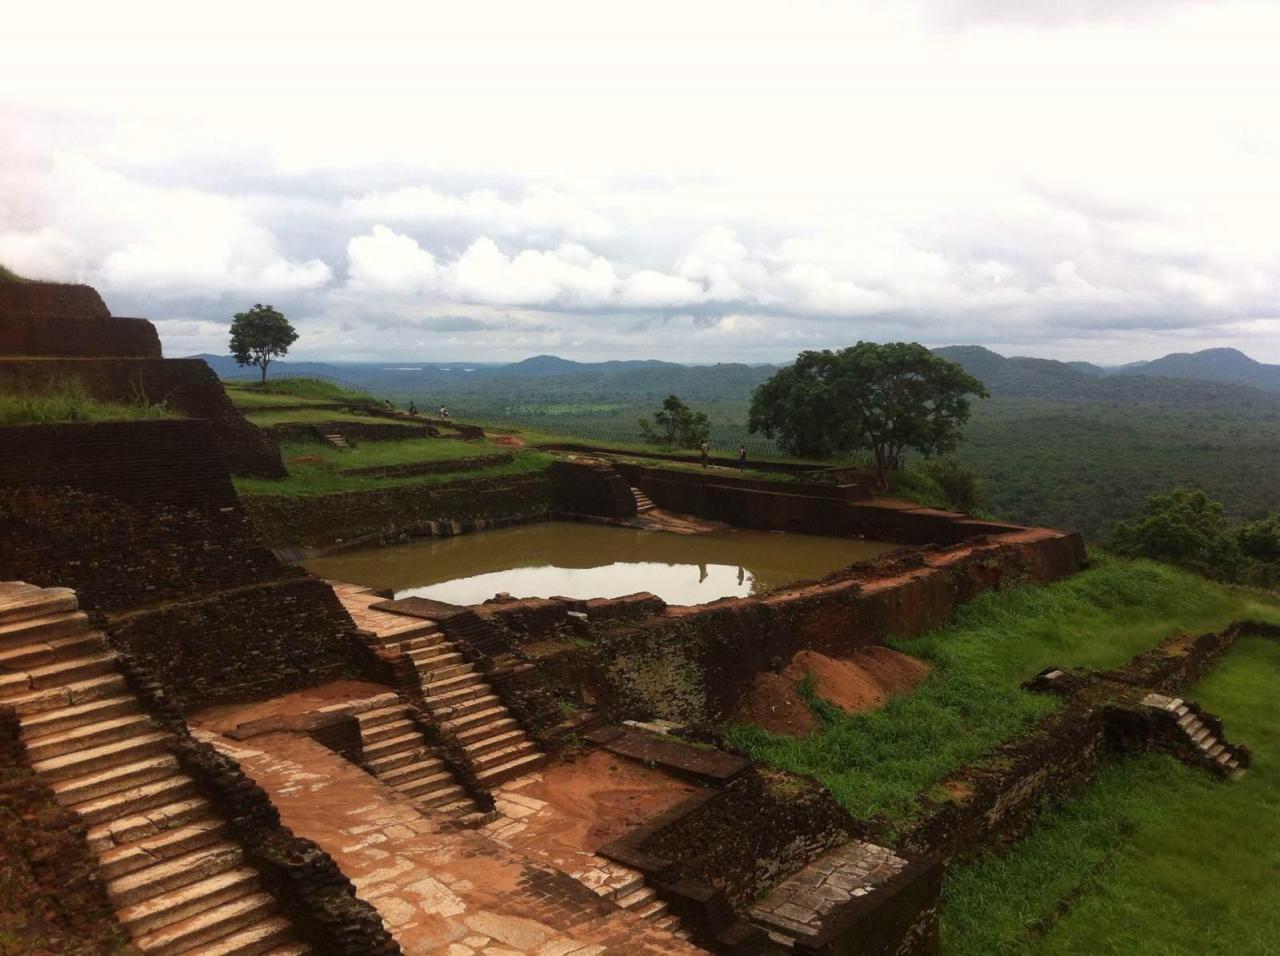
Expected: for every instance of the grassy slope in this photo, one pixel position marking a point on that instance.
(875, 763)
(314, 468)
(305, 414)
(307, 389)
(1155, 857)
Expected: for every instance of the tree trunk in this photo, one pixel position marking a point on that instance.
(263, 366)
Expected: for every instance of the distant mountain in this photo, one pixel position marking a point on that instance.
(544, 365)
(1211, 365)
(224, 366)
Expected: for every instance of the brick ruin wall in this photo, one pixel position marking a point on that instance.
(50, 318)
(690, 665)
(140, 518)
(187, 386)
(386, 515)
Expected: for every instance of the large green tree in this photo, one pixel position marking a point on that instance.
(877, 398)
(676, 425)
(260, 336)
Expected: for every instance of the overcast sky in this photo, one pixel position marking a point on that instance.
(688, 180)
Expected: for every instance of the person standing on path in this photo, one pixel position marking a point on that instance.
(742, 457)
(706, 453)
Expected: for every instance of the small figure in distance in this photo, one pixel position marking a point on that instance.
(387, 402)
(742, 461)
(706, 453)
(444, 411)
(413, 409)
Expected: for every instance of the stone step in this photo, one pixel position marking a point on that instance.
(438, 656)
(633, 882)
(434, 643)
(203, 912)
(88, 736)
(1186, 719)
(476, 718)
(117, 752)
(493, 776)
(54, 698)
(1182, 710)
(288, 949)
(375, 718)
(77, 715)
(457, 682)
(122, 777)
(136, 800)
(382, 765)
(393, 745)
(638, 898)
(262, 937)
(503, 755)
(120, 861)
(438, 798)
(434, 675)
(411, 771)
(37, 630)
(503, 737)
(1216, 749)
(442, 703)
(1200, 734)
(23, 657)
(387, 731)
(652, 911)
(20, 601)
(156, 820)
(462, 708)
(161, 877)
(68, 672)
(465, 809)
(426, 784)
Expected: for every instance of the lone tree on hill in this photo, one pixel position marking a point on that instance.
(676, 425)
(870, 397)
(260, 336)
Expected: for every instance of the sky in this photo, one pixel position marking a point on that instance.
(692, 181)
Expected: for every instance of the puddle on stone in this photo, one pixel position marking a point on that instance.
(586, 561)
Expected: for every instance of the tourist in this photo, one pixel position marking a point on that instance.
(706, 454)
(387, 402)
(444, 411)
(413, 409)
(742, 457)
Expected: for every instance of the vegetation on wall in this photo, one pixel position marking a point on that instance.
(70, 401)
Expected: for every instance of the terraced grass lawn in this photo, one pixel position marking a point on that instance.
(286, 391)
(1154, 857)
(876, 763)
(305, 414)
(316, 468)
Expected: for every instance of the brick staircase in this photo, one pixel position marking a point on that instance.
(643, 503)
(1214, 751)
(464, 703)
(399, 755)
(178, 885)
(337, 441)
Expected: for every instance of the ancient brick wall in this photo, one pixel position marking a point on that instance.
(352, 431)
(187, 386)
(49, 318)
(690, 665)
(141, 520)
(591, 489)
(385, 515)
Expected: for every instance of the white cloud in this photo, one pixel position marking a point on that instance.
(386, 261)
(541, 211)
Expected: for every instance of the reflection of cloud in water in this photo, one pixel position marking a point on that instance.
(674, 583)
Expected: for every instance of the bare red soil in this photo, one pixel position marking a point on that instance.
(861, 682)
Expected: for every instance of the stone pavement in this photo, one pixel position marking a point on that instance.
(440, 891)
(797, 907)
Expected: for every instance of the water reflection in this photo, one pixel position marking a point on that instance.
(583, 561)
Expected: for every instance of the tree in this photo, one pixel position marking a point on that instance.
(878, 398)
(676, 425)
(1183, 527)
(260, 336)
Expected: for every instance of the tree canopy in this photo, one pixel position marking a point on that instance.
(876, 398)
(260, 336)
(676, 425)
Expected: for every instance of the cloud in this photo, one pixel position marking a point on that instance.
(386, 261)
(541, 211)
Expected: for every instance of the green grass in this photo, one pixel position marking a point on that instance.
(1154, 857)
(305, 415)
(312, 389)
(320, 472)
(71, 402)
(876, 763)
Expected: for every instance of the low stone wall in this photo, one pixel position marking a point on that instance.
(385, 515)
(187, 386)
(248, 644)
(689, 664)
(51, 318)
(52, 897)
(430, 467)
(835, 510)
(591, 489)
(351, 431)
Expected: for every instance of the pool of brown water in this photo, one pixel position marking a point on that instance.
(585, 561)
